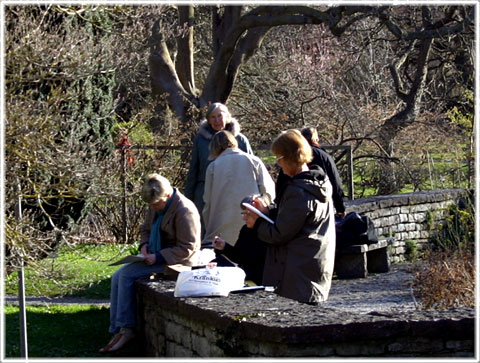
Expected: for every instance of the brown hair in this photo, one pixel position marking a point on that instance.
(292, 147)
(221, 141)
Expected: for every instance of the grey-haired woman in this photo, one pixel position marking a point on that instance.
(218, 118)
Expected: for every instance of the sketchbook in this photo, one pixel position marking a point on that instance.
(256, 211)
(128, 259)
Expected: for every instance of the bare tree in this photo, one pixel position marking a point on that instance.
(238, 32)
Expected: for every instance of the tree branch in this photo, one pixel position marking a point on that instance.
(184, 61)
(395, 70)
(163, 75)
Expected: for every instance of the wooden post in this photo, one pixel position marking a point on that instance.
(350, 174)
(124, 194)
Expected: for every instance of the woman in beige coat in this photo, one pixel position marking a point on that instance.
(301, 252)
(232, 176)
(170, 235)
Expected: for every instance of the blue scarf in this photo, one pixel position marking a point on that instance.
(155, 240)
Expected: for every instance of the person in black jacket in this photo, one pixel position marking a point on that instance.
(248, 252)
(325, 161)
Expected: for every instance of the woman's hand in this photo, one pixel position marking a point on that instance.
(144, 249)
(218, 243)
(260, 205)
(150, 259)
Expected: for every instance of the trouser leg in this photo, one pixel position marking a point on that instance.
(123, 299)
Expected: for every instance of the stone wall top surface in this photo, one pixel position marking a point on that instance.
(382, 300)
(385, 201)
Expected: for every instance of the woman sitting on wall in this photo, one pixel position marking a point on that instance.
(170, 235)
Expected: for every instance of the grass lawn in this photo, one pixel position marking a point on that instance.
(62, 331)
(80, 270)
(66, 330)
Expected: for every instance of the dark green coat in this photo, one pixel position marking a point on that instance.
(301, 252)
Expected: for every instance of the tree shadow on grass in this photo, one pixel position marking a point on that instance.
(64, 332)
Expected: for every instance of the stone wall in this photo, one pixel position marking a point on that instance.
(407, 217)
(265, 325)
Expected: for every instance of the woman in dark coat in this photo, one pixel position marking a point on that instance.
(301, 252)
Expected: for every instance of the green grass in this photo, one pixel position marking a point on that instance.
(58, 331)
(67, 330)
(81, 270)
(62, 331)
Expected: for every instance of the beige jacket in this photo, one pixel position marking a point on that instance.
(231, 177)
(181, 231)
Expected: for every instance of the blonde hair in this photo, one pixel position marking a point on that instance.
(292, 147)
(220, 142)
(156, 188)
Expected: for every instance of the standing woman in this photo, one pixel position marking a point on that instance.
(233, 175)
(301, 252)
(218, 118)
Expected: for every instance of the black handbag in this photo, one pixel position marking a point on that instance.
(355, 229)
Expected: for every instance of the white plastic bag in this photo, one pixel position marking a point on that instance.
(209, 281)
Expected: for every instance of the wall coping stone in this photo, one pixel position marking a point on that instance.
(387, 201)
(271, 318)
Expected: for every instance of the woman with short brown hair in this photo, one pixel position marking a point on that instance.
(301, 251)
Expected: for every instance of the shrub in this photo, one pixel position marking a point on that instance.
(458, 231)
(446, 276)
(411, 250)
(446, 279)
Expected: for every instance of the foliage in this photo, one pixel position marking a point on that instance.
(429, 219)
(458, 231)
(462, 116)
(75, 78)
(343, 88)
(411, 250)
(58, 115)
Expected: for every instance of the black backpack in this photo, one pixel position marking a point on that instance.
(355, 229)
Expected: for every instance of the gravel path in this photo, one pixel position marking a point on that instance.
(42, 300)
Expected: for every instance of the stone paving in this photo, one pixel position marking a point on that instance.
(390, 291)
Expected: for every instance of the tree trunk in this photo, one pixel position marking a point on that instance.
(389, 183)
(184, 60)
